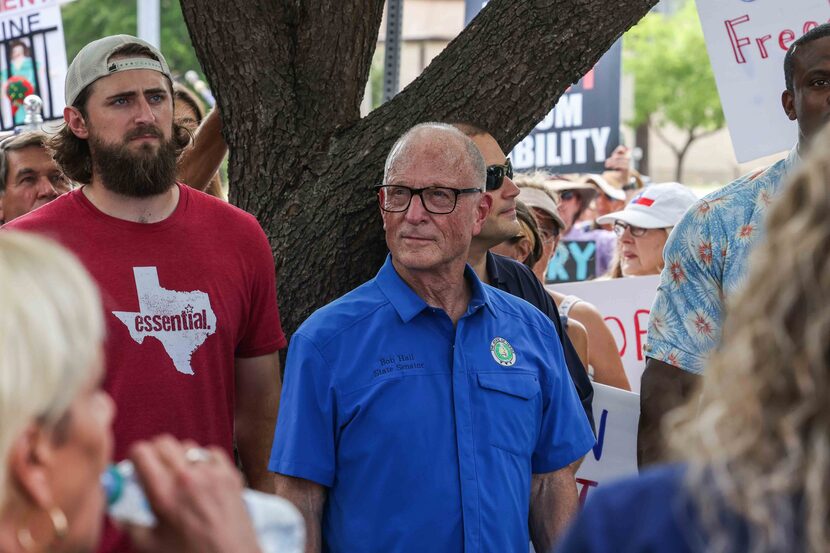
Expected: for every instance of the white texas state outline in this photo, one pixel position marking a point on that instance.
(181, 321)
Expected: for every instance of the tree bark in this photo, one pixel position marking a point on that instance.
(289, 76)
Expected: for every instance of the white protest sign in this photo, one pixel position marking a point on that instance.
(617, 413)
(24, 6)
(32, 58)
(625, 304)
(614, 456)
(747, 41)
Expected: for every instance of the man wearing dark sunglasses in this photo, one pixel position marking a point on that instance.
(501, 223)
(505, 273)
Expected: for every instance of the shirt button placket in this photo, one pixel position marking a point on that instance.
(462, 404)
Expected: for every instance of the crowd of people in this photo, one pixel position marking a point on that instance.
(602, 210)
(445, 404)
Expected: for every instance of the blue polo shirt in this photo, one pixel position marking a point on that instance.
(426, 434)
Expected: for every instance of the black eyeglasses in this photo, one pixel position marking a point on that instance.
(496, 174)
(636, 232)
(439, 200)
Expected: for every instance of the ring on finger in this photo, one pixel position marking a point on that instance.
(198, 455)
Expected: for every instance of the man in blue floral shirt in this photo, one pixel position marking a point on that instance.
(707, 253)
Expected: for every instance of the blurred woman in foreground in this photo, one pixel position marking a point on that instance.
(756, 442)
(55, 437)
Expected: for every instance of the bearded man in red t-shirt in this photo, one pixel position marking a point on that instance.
(193, 328)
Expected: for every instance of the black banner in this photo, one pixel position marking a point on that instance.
(584, 127)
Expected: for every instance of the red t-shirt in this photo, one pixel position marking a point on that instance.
(182, 298)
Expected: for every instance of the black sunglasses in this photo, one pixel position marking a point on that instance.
(496, 174)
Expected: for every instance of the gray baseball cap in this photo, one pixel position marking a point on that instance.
(539, 198)
(92, 63)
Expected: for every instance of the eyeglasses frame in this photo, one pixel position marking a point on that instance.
(419, 192)
(636, 232)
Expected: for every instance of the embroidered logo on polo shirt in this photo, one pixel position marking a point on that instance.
(502, 352)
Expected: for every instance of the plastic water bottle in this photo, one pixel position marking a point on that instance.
(278, 525)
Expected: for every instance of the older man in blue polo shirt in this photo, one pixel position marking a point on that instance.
(426, 411)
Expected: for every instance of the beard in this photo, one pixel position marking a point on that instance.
(138, 174)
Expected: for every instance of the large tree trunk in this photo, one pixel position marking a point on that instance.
(289, 76)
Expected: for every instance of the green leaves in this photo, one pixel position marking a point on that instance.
(673, 77)
(88, 20)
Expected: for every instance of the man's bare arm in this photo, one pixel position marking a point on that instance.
(309, 498)
(662, 388)
(200, 161)
(553, 504)
(258, 389)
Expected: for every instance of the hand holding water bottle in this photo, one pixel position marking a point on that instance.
(196, 496)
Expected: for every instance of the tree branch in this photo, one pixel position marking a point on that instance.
(690, 137)
(664, 139)
(706, 133)
(302, 161)
(508, 68)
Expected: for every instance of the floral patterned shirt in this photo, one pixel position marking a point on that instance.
(706, 260)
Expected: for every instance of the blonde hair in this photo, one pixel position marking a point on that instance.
(758, 437)
(536, 179)
(51, 330)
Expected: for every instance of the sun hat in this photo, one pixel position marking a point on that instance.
(584, 192)
(536, 196)
(609, 187)
(92, 63)
(657, 206)
(559, 184)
